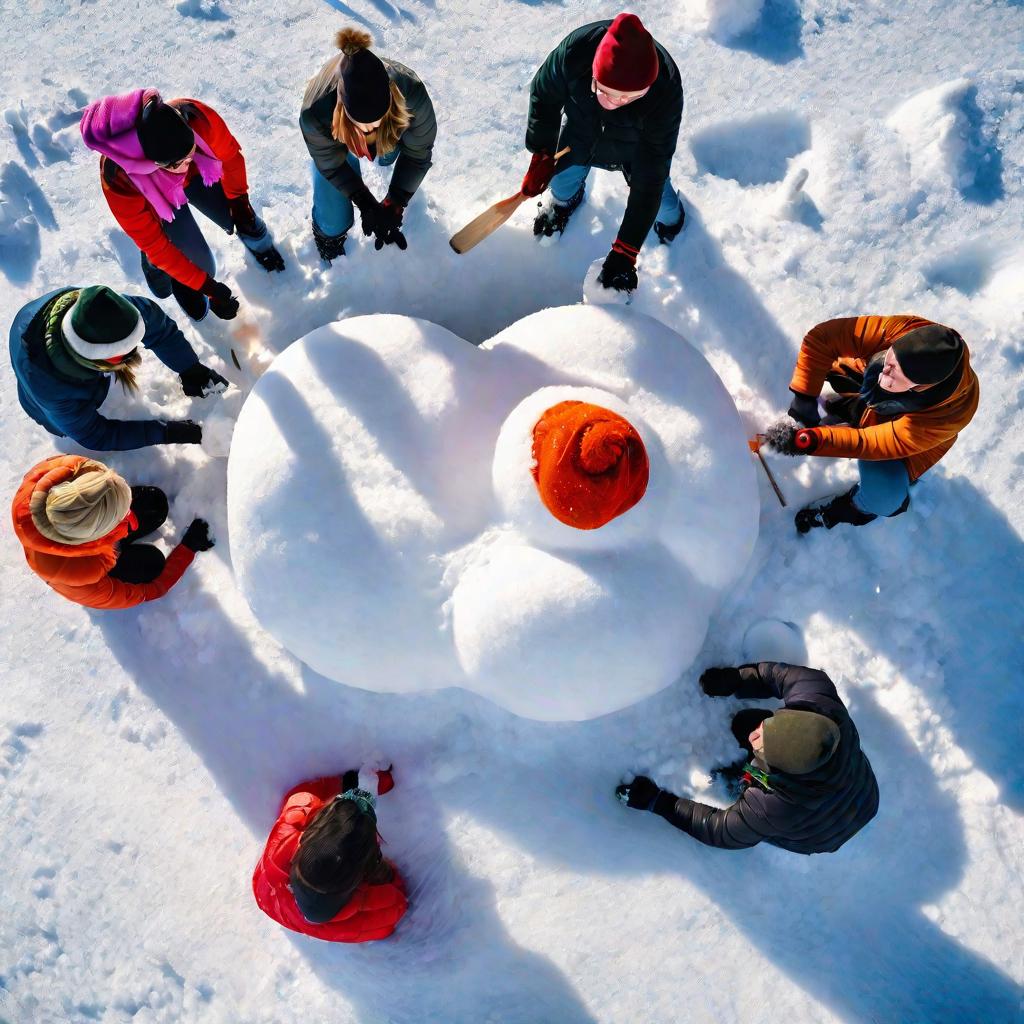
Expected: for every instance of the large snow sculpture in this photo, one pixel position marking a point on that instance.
(390, 507)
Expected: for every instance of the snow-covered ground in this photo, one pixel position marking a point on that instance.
(143, 753)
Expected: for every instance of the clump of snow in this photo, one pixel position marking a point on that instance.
(384, 466)
(722, 20)
(219, 423)
(595, 293)
(774, 640)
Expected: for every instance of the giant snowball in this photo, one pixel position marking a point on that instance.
(387, 528)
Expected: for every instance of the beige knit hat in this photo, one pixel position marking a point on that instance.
(84, 508)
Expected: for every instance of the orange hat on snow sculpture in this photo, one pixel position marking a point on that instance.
(591, 464)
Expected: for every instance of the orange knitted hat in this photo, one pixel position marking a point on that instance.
(591, 465)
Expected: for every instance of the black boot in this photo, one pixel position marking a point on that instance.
(554, 216)
(138, 563)
(194, 303)
(745, 722)
(150, 507)
(330, 247)
(840, 509)
(159, 281)
(667, 232)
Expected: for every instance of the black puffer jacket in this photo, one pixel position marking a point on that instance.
(414, 148)
(640, 137)
(813, 813)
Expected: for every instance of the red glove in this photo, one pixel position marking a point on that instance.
(385, 781)
(538, 177)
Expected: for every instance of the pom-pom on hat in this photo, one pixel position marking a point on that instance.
(590, 464)
(163, 133)
(797, 742)
(102, 324)
(364, 87)
(626, 59)
(929, 354)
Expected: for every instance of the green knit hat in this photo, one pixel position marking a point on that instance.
(798, 742)
(102, 324)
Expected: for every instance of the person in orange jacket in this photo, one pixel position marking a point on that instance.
(158, 159)
(78, 522)
(904, 391)
(322, 872)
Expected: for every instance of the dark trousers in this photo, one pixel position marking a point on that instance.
(142, 563)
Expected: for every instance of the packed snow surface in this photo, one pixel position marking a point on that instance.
(143, 754)
(380, 486)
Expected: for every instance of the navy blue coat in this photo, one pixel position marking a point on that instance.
(812, 813)
(70, 408)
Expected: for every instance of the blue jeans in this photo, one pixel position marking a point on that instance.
(332, 209)
(884, 486)
(565, 184)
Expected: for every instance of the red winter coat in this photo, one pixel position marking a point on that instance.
(141, 222)
(374, 910)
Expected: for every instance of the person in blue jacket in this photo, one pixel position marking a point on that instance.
(67, 346)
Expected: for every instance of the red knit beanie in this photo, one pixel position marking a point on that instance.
(626, 59)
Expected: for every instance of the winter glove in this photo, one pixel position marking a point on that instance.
(197, 536)
(385, 780)
(619, 270)
(199, 381)
(184, 432)
(388, 226)
(222, 302)
(639, 794)
(369, 209)
(804, 410)
(270, 259)
(539, 175)
(720, 682)
(243, 216)
(784, 438)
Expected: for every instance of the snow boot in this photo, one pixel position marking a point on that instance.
(195, 304)
(149, 505)
(554, 216)
(330, 247)
(839, 509)
(159, 281)
(667, 232)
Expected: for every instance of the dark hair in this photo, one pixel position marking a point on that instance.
(338, 849)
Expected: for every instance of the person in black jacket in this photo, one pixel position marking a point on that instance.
(806, 787)
(363, 107)
(623, 101)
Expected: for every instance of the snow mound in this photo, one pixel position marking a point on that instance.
(380, 487)
(722, 20)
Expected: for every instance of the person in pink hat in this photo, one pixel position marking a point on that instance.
(622, 101)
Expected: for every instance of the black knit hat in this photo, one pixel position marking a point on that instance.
(798, 742)
(364, 86)
(163, 133)
(336, 850)
(929, 354)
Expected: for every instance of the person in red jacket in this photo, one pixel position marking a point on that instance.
(159, 159)
(322, 872)
(78, 522)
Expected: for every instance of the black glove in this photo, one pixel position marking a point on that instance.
(199, 381)
(243, 216)
(184, 432)
(388, 226)
(197, 536)
(786, 439)
(350, 780)
(804, 410)
(720, 682)
(222, 302)
(370, 211)
(639, 794)
(270, 259)
(618, 272)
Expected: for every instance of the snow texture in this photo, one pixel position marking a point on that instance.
(143, 754)
(384, 465)
(722, 20)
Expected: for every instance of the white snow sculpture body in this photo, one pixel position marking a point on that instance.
(386, 527)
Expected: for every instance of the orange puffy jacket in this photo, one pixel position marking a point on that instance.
(141, 222)
(919, 438)
(79, 571)
(374, 910)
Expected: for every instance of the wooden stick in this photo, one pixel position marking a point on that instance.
(755, 447)
(491, 219)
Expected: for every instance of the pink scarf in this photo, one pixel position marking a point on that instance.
(108, 127)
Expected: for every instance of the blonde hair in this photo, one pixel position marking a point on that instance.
(394, 122)
(84, 508)
(124, 371)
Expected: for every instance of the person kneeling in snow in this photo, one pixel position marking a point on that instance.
(322, 872)
(905, 389)
(806, 786)
(157, 160)
(78, 522)
(363, 107)
(623, 102)
(66, 346)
